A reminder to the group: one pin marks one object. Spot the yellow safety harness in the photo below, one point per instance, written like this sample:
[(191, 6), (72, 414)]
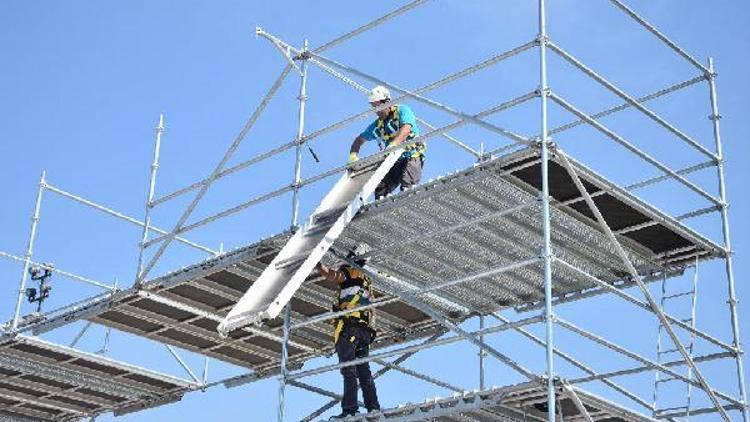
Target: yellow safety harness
[(412, 151), (362, 297)]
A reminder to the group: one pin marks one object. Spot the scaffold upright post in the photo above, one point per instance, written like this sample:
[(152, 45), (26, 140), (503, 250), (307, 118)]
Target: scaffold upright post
[(482, 354), (715, 118), (284, 356), (300, 133), (150, 195), (547, 247), (29, 250)]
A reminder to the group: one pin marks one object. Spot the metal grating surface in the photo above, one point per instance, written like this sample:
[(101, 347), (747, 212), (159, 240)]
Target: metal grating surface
[(40, 381), (488, 216), (517, 403), (184, 308), (442, 230)]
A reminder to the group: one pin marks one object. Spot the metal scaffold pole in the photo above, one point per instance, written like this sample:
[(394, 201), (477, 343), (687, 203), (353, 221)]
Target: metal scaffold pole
[(284, 356), (482, 354), (300, 133), (484, 247), (547, 247), (150, 197), (29, 250), (715, 118)]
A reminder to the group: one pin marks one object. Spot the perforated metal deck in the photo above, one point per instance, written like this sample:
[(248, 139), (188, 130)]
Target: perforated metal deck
[(517, 403), (183, 308), (481, 218), (487, 217), (40, 381)]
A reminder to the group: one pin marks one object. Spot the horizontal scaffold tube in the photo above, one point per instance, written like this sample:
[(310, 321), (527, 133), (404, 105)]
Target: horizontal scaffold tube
[(438, 286), (441, 342), (504, 106), (335, 126)]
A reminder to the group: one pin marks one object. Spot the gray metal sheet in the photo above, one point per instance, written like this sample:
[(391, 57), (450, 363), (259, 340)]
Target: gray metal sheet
[(442, 230), (413, 237), (198, 296), (43, 381), (516, 403)]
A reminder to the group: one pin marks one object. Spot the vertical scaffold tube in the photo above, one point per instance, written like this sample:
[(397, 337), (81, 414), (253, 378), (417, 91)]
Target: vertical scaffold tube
[(715, 118), (481, 354), (300, 133), (284, 356), (150, 195), (547, 247), (29, 250)]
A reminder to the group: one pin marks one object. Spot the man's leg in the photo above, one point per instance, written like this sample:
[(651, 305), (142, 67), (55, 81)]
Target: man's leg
[(391, 179), (345, 348), (364, 374), (412, 172)]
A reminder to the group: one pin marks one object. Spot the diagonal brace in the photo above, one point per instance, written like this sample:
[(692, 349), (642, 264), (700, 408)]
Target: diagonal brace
[(377, 375), (571, 392), (324, 62), (214, 174), (471, 337), (632, 148), (649, 298), (576, 363)]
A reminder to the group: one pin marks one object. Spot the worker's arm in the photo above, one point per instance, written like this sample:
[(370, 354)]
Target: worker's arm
[(357, 144), (402, 134), (408, 124), (330, 274)]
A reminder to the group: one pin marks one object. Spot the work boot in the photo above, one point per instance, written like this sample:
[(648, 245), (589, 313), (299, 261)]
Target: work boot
[(373, 414)]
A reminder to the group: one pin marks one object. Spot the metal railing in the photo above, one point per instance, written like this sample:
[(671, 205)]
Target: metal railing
[(298, 59)]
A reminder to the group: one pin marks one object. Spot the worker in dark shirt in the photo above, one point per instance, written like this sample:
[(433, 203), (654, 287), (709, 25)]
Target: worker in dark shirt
[(353, 334)]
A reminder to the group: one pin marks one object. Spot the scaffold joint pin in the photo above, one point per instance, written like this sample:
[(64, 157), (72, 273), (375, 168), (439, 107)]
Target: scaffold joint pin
[(542, 39)]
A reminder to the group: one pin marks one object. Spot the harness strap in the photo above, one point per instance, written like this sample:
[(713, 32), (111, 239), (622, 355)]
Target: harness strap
[(412, 151), (359, 316)]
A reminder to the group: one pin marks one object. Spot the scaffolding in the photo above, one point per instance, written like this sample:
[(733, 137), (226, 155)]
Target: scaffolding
[(596, 238)]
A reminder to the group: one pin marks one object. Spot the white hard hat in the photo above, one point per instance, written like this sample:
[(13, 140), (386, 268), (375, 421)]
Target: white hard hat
[(379, 93)]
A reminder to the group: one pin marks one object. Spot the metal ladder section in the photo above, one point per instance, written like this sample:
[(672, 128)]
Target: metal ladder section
[(277, 284), (678, 301)]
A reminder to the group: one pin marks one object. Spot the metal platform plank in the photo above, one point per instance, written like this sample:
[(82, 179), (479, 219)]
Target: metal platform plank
[(43, 381), (459, 226), (516, 403), (467, 222)]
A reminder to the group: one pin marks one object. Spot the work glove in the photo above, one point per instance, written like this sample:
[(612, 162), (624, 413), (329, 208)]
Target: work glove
[(352, 157)]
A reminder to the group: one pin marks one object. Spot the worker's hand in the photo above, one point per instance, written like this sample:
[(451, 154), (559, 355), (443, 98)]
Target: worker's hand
[(353, 157)]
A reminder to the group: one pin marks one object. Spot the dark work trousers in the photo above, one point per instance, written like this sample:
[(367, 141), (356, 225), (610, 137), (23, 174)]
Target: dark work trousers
[(354, 342), (406, 172)]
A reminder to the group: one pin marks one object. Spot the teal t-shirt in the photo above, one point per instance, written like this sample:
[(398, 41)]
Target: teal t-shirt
[(390, 126)]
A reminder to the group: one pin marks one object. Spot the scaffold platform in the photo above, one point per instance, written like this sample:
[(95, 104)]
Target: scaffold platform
[(41, 381), (184, 308), (522, 230), (466, 223), (516, 403)]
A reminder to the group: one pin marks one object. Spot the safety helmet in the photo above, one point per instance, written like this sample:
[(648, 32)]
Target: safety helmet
[(379, 93)]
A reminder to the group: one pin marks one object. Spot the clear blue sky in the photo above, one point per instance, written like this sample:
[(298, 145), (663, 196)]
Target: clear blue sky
[(82, 84)]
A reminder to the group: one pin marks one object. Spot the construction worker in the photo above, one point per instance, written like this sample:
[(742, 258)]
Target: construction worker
[(353, 334), (395, 124)]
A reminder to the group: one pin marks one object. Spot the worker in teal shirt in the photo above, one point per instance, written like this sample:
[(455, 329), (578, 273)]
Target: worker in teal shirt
[(395, 124)]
